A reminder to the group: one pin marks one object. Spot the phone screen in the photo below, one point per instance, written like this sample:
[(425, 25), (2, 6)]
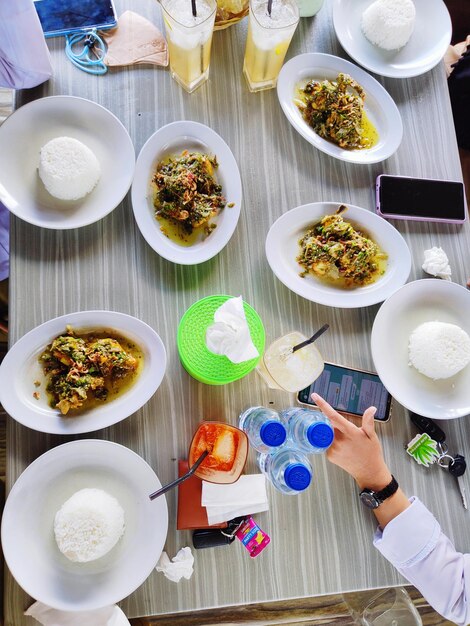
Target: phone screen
[(351, 391), (65, 16), (421, 198)]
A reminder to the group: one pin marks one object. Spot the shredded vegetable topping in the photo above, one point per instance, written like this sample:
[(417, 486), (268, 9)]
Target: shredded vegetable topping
[(335, 112), (187, 192), (332, 249)]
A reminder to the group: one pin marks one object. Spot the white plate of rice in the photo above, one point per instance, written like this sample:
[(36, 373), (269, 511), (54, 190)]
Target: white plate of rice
[(425, 48), (422, 302), (28, 540), (20, 371), (282, 249), (378, 105), (171, 140), (29, 129)]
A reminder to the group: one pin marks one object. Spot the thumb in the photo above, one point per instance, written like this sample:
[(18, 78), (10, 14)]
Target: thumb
[(368, 425)]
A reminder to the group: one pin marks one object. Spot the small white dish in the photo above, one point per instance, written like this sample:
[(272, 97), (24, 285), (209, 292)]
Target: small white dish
[(28, 540), (36, 123), (426, 47), (379, 106), (171, 140), (421, 301), (20, 369), (282, 249)]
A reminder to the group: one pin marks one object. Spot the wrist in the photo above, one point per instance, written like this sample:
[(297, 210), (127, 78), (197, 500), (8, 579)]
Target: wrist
[(376, 481)]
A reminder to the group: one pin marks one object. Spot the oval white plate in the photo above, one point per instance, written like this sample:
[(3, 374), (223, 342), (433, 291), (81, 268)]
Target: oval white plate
[(426, 47), (20, 368), (172, 139), (28, 521), (421, 301), (36, 123), (282, 248), (379, 106)]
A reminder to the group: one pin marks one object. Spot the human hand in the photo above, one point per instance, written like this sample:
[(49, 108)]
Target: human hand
[(356, 449)]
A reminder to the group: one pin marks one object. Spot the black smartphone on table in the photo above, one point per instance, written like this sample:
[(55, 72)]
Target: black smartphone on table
[(350, 391), (421, 199), (62, 17)]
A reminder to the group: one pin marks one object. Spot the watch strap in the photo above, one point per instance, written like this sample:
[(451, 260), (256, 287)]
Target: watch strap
[(387, 491)]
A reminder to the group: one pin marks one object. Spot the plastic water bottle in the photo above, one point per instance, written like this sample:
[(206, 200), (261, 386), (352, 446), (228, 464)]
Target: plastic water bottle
[(288, 469), (309, 430), (264, 428)]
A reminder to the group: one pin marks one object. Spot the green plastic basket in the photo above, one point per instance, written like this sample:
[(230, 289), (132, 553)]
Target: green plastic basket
[(197, 360)]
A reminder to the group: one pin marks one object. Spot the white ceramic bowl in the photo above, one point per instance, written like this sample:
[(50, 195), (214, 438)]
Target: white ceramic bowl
[(170, 140), (379, 106), (282, 248), (425, 48), (418, 302), (36, 123), (20, 368), (28, 541)]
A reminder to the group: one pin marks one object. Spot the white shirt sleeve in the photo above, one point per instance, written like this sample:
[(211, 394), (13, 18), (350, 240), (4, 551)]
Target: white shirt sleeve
[(415, 544), (24, 56)]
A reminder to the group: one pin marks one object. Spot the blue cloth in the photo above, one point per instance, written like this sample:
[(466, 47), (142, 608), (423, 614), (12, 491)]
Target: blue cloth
[(4, 242)]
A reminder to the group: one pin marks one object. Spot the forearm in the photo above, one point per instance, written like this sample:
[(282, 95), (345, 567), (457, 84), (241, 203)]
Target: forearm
[(414, 543)]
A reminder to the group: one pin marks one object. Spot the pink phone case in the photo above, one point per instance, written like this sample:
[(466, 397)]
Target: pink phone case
[(413, 217)]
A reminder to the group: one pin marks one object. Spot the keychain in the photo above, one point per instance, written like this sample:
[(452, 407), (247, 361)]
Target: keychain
[(243, 528)]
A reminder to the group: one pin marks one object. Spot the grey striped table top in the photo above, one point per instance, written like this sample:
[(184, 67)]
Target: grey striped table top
[(321, 540)]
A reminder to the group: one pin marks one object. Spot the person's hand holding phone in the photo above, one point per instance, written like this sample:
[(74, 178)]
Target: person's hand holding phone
[(355, 449), (358, 451)]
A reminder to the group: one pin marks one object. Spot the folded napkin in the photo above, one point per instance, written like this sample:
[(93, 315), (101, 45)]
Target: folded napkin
[(180, 566), (230, 335), (134, 41), (109, 616), (224, 502)]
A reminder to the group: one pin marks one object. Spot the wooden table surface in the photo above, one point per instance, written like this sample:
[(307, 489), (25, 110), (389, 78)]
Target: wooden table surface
[(321, 540)]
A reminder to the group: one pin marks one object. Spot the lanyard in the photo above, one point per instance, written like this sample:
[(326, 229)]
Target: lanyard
[(90, 57)]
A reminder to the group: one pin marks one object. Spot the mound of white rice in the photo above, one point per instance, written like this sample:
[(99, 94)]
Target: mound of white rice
[(68, 168), (88, 525), (439, 350), (389, 23)]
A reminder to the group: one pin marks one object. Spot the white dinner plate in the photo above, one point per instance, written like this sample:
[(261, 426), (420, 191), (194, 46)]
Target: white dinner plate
[(28, 538), (171, 140), (418, 302), (379, 106), (20, 369), (36, 123), (282, 249), (425, 48)]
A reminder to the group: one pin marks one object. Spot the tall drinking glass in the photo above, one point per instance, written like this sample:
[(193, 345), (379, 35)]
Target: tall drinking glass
[(189, 40), (268, 38), (392, 607)]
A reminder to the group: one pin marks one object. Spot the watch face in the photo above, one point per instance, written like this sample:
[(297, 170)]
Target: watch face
[(368, 499)]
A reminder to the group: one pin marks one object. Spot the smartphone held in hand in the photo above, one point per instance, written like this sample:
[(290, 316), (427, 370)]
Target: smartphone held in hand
[(421, 199), (350, 392)]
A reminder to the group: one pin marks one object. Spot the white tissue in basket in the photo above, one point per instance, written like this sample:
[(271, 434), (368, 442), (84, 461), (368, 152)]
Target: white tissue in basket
[(230, 335)]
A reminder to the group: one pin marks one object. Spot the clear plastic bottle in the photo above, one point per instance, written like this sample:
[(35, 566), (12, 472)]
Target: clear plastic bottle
[(264, 428), (288, 469), (309, 430)]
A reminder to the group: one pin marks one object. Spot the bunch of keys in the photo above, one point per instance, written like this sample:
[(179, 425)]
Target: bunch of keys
[(456, 465)]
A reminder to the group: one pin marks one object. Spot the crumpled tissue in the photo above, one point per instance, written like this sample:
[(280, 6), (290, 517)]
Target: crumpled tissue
[(109, 616), (224, 502), (230, 335), (436, 263), (180, 566)]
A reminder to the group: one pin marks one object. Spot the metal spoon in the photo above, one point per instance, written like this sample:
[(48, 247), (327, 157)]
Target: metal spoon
[(179, 480), (307, 342)]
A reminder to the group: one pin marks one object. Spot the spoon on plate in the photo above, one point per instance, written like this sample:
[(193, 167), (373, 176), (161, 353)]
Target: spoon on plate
[(307, 342), (179, 480)]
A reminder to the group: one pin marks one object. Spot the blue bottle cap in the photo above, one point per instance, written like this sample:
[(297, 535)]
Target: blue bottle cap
[(273, 433), (320, 435), (297, 476)]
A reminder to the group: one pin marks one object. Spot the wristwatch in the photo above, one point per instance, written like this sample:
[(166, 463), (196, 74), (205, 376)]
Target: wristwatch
[(373, 499)]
